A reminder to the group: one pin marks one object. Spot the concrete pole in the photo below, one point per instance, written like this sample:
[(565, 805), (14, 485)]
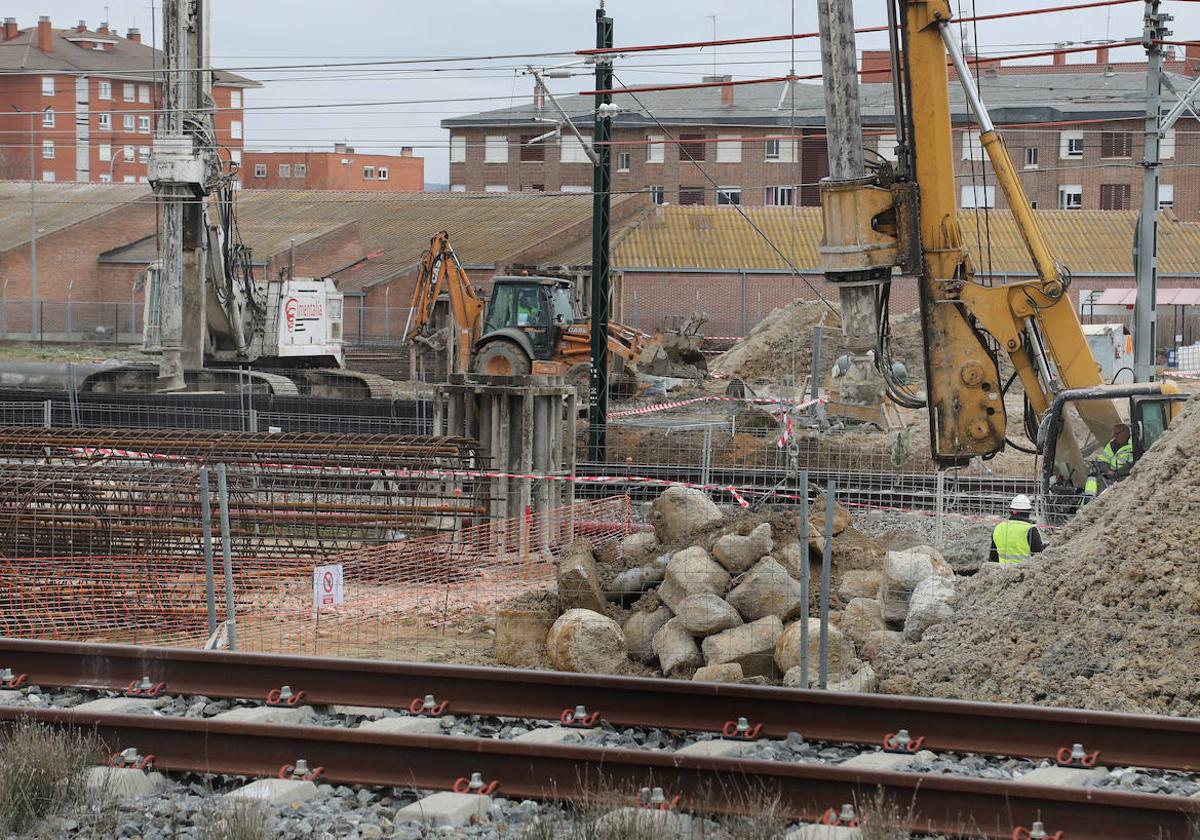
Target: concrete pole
[(170, 369)]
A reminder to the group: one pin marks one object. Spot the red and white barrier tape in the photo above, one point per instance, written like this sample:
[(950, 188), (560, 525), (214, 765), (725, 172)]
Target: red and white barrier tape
[(1183, 374), (651, 409)]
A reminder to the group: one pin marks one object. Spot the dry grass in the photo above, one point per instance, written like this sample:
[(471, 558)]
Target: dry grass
[(235, 820), (43, 772)]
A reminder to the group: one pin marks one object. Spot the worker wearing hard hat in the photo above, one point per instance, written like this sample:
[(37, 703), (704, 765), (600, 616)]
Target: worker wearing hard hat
[(1117, 455), (1016, 538)]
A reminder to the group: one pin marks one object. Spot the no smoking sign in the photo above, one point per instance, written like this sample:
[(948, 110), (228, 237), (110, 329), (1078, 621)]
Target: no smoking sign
[(328, 586)]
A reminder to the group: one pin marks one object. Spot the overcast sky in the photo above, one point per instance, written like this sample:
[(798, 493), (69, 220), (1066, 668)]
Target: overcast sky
[(252, 33)]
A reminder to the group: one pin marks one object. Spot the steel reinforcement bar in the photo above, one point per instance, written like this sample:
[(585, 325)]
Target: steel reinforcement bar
[(711, 786), (995, 729)]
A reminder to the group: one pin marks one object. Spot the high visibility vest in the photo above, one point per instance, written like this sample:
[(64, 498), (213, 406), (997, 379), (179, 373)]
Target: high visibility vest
[(1091, 489), (1012, 541), (1119, 458)]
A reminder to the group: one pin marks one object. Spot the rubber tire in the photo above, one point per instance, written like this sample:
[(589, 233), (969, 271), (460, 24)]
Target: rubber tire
[(502, 358)]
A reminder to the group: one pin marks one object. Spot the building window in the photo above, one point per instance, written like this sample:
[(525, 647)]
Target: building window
[(285, 171), (458, 149), (1070, 197), (978, 197), (104, 122), (1166, 196), (382, 173), (144, 94), (691, 195), (886, 147), (235, 99), (779, 150), (260, 170), (129, 92), (496, 188), (368, 173), (972, 149), (575, 188), (105, 178), (571, 150), (458, 188), (1114, 196), (235, 156), (654, 148), (49, 177), (47, 85), (656, 194), (128, 179), (729, 149), (47, 119), (128, 152), (105, 152), (143, 154), (1116, 144), (1032, 157), (104, 89), (144, 125), (1166, 146), (128, 122), (691, 147), (48, 149), (779, 196), (624, 159), (729, 195), (495, 149), (301, 170), (1070, 144), (532, 152), (235, 129), (533, 188)]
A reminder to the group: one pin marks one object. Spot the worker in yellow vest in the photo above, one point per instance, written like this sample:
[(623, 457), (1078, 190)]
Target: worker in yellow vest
[(1016, 538), (1117, 455)]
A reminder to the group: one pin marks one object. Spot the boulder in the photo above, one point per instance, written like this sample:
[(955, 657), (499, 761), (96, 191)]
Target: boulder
[(859, 583), (730, 672), (679, 512), (639, 632), (794, 678), (842, 661), (706, 613), (862, 681), (852, 549), (879, 643), (788, 556), (677, 652), (639, 548), (968, 551), (738, 553), (691, 572), (767, 589), (751, 645), (631, 583), (586, 642), (902, 571), (578, 582), (929, 605), (816, 517), (861, 618), (936, 561), (521, 635)]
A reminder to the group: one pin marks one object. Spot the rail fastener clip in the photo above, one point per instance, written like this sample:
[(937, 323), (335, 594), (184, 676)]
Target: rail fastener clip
[(130, 758), (145, 688), (579, 718), (1076, 756), (901, 742), (10, 680), (740, 730), (301, 772), (475, 784), (845, 817), (1037, 831), (284, 696), (654, 799), (428, 706)]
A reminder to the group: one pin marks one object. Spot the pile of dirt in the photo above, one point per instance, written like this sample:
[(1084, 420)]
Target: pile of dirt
[(1108, 618)]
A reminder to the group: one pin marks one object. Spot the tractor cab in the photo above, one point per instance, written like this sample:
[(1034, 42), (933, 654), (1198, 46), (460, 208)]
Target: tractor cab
[(536, 307)]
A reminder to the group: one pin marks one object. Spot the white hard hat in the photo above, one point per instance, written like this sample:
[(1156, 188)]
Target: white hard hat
[(1021, 502)]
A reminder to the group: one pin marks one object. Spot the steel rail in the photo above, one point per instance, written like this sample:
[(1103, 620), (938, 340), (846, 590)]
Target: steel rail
[(987, 728), (954, 805)]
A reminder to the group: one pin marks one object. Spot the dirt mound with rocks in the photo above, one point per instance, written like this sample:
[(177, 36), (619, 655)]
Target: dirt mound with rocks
[(1107, 618)]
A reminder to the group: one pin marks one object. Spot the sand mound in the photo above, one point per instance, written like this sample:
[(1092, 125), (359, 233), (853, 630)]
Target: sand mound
[(1108, 618)]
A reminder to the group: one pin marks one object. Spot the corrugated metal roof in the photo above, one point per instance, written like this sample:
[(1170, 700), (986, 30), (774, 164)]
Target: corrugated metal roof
[(58, 206), (1086, 241), (1163, 297)]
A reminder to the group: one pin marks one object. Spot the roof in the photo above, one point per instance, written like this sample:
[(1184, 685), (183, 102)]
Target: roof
[(1163, 297), (1088, 242), (58, 206), (1037, 97), (126, 59)]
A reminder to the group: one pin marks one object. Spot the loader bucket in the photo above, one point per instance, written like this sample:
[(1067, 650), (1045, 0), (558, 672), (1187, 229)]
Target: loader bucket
[(674, 354)]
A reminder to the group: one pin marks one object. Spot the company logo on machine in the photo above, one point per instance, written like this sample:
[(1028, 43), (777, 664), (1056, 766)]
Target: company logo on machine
[(299, 313)]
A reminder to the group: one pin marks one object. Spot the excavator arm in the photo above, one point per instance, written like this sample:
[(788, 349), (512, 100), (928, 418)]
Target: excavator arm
[(440, 272)]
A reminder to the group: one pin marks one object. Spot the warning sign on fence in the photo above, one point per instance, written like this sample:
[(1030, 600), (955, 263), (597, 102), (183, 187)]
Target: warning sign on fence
[(328, 589)]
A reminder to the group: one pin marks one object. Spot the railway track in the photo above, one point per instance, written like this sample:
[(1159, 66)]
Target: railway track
[(708, 784)]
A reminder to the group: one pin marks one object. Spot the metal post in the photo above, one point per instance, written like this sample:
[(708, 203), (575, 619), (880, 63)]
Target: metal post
[(292, 258), (814, 390), (33, 271), (804, 579), (601, 206), (1145, 255), (387, 330), (745, 307), (70, 288), (706, 459), (226, 556), (4, 310), (826, 561), (48, 414), (210, 595), (939, 526)]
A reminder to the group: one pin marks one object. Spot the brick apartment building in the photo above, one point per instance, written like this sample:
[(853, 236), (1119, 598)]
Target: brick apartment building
[(342, 169), (83, 103), (1073, 130)]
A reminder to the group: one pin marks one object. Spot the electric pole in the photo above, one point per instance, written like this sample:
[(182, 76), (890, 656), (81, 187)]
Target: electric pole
[(1145, 250), (601, 205)]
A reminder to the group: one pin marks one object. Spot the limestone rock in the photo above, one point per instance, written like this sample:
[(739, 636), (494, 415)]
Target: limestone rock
[(639, 548), (862, 681), (969, 551), (730, 672), (738, 553), (521, 635), (751, 645), (788, 556), (639, 632), (691, 572), (902, 571), (878, 644), (677, 652), (842, 661), (706, 613), (767, 589), (816, 517), (578, 582), (631, 583), (680, 512), (861, 618), (859, 583), (929, 605), (586, 642)]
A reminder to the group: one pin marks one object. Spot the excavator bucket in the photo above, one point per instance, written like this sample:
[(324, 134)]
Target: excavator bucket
[(675, 353)]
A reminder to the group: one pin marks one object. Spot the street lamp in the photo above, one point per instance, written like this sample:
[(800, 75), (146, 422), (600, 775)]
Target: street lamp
[(112, 166), (33, 278)]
